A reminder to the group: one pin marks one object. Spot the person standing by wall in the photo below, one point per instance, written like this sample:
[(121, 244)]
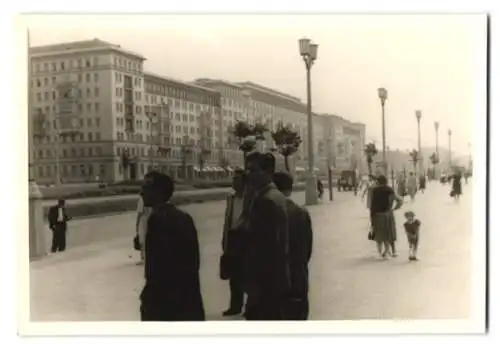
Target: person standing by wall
[(58, 223)]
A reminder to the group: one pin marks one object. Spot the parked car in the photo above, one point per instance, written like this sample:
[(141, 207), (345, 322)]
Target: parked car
[(347, 181)]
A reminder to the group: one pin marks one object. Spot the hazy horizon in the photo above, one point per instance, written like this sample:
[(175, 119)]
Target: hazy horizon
[(427, 62)]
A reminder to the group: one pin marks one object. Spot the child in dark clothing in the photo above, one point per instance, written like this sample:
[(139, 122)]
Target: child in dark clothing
[(412, 228)]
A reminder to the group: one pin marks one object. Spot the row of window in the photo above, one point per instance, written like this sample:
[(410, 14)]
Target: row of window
[(174, 153), (72, 152), (63, 65), (79, 137), (127, 64), (39, 82), (76, 170), (119, 79), (199, 96), (47, 96)]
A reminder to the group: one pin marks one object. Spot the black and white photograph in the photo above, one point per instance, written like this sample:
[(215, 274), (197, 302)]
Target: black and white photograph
[(224, 170)]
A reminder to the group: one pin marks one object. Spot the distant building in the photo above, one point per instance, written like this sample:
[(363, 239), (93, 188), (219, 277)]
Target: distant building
[(116, 121)]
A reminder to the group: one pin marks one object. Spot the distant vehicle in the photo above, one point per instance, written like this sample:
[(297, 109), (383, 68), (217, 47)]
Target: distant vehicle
[(347, 181)]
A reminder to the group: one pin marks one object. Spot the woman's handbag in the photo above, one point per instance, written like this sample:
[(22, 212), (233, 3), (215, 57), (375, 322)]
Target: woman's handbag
[(137, 244), (371, 235)]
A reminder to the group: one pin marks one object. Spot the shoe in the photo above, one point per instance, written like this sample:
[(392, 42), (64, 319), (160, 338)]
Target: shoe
[(394, 255), (231, 312), (410, 258), (140, 263)]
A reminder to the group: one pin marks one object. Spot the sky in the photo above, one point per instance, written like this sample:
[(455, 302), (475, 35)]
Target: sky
[(433, 63)]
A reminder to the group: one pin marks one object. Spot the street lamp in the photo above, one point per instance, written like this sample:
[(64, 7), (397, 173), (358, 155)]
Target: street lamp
[(449, 148), (309, 53), (382, 94), (418, 114)]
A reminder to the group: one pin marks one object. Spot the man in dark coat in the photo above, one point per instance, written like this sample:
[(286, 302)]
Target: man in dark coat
[(300, 250), (266, 264), (58, 223), (232, 258), (172, 288)]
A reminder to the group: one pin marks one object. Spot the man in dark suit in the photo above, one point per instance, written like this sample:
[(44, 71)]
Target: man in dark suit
[(172, 288), (300, 250), (266, 265), (58, 219)]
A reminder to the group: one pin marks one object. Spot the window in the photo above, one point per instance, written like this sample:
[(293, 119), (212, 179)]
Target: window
[(96, 92), (89, 136), (96, 61), (79, 77), (73, 152), (63, 66), (54, 95), (64, 153), (97, 122), (38, 97), (89, 92), (98, 152), (89, 107), (192, 130), (96, 106), (46, 96), (98, 136), (79, 63), (191, 118), (91, 152), (87, 63), (138, 110), (96, 77), (87, 77), (54, 67), (82, 152), (184, 117), (89, 122)]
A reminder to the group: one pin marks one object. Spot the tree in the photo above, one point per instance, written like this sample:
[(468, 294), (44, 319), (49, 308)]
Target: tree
[(247, 135), (287, 140), (434, 161), (414, 155), (370, 151)]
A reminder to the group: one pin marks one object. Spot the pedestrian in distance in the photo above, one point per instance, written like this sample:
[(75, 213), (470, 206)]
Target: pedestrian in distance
[(172, 286), (266, 256), (456, 186), (412, 228), (411, 185), (383, 222), (320, 188), (422, 183), (231, 261), (300, 250), (58, 223)]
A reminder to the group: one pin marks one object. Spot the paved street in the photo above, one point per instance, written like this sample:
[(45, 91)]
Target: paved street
[(96, 279)]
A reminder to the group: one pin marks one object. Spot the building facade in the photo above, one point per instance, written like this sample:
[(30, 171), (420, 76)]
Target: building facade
[(113, 121)]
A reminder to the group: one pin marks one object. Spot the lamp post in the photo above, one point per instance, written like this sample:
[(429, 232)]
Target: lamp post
[(436, 130), (309, 52), (418, 114), (449, 148), (382, 94)]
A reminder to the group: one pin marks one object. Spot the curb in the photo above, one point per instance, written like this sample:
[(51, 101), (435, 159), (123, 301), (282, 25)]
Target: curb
[(117, 206)]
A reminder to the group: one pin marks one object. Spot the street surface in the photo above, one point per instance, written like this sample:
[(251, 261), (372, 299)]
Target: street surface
[(96, 279)]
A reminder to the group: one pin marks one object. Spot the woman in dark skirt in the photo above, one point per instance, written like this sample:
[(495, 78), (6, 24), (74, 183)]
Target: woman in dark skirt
[(383, 222), (456, 186)]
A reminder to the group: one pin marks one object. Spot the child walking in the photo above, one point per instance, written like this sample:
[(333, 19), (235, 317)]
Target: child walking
[(412, 228)]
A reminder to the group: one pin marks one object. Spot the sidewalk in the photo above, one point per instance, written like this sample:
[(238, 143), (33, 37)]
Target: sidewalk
[(101, 282)]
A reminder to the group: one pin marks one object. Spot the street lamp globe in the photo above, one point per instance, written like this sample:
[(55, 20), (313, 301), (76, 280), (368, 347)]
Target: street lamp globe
[(313, 51), (418, 113), (304, 44), (382, 94)]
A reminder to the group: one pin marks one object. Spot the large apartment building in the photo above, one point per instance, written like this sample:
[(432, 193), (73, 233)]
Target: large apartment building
[(114, 121)]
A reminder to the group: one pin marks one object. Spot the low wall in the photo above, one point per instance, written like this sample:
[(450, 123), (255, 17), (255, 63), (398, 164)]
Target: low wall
[(89, 209)]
